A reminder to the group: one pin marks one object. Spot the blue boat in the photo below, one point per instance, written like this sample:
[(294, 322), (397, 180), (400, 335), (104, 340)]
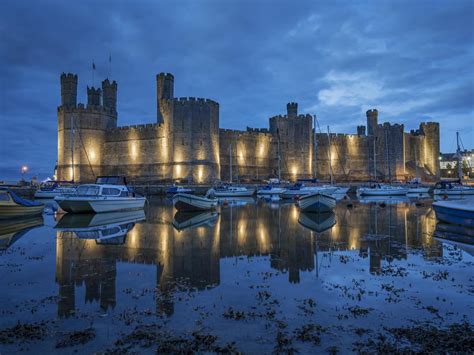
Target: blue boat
[(179, 190), (460, 212)]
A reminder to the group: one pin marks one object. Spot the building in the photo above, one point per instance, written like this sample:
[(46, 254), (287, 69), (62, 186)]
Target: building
[(449, 164), (186, 144)]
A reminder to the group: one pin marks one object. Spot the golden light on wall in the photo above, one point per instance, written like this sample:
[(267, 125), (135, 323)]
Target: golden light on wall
[(92, 155), (177, 171), (133, 150), (294, 170), (200, 173)]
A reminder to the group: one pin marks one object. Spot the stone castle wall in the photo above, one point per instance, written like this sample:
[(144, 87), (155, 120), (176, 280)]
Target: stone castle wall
[(187, 145)]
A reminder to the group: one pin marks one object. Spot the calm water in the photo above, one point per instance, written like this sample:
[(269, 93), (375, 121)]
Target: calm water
[(256, 274)]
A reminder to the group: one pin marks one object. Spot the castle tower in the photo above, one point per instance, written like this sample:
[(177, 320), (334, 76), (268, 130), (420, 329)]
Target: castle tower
[(292, 109), (93, 96), (109, 91), (361, 130), (372, 121), (164, 91), (431, 147), (68, 90)]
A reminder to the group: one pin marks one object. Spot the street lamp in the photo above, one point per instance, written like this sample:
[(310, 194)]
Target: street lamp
[(24, 169)]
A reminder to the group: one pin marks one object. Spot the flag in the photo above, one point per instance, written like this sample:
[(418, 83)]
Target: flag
[(93, 66)]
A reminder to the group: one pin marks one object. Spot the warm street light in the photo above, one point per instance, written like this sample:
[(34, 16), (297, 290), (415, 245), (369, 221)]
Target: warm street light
[(24, 169)]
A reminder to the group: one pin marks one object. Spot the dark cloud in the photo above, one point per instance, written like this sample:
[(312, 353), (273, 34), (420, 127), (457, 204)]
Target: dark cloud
[(412, 60)]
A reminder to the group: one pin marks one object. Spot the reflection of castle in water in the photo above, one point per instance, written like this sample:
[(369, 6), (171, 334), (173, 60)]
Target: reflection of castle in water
[(194, 254)]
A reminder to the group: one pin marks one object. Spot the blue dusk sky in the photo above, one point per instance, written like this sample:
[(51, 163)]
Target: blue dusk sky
[(412, 60)]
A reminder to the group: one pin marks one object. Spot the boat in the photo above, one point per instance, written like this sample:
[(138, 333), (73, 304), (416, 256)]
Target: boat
[(184, 220), (298, 190), (382, 190), (317, 202), (179, 189), (13, 229), (51, 189), (188, 202), (387, 200), (459, 236), (13, 206), (231, 191), (317, 222), (418, 189), (104, 228), (270, 190), (460, 212), (108, 194), (341, 190), (452, 188)]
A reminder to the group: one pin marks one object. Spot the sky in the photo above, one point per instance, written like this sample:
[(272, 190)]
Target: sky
[(412, 60)]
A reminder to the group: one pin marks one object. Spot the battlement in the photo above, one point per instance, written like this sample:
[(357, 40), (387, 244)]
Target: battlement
[(68, 76), (165, 75), (140, 127), (81, 108), (193, 100), (372, 112), (107, 83), (257, 130)]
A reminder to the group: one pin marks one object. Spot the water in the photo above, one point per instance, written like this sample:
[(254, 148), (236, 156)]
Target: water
[(259, 274)]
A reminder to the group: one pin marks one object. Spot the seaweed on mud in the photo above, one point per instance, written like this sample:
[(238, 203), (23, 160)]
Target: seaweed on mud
[(456, 338), (23, 332), (76, 338), (309, 333)]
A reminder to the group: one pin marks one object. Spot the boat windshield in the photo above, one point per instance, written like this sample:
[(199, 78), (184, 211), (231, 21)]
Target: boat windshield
[(88, 190)]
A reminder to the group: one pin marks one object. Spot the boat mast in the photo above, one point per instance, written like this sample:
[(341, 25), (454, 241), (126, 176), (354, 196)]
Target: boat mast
[(375, 161), (329, 156), (458, 153), (230, 163), (72, 147), (315, 149), (386, 157), (279, 157), (416, 165)]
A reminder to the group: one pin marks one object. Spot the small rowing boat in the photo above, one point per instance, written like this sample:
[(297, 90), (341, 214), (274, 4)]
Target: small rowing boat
[(13, 206), (460, 212), (187, 202), (317, 202)]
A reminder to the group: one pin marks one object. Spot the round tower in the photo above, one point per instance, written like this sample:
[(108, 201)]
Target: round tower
[(109, 91), (93, 96), (372, 121), (68, 90), (164, 91), (292, 109)]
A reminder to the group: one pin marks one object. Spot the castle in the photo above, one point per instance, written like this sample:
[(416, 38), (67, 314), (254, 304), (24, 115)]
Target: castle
[(186, 143)]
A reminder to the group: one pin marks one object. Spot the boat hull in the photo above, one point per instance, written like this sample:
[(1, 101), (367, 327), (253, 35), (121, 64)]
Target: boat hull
[(453, 213), (454, 191), (271, 192), (17, 211), (247, 193), (382, 192), (418, 190), (317, 202), (186, 202), (86, 205)]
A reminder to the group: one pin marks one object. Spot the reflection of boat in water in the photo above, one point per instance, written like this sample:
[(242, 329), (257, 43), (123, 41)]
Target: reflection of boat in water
[(183, 220), (13, 229), (388, 200), (462, 237), (13, 206), (236, 201), (317, 222), (106, 228), (459, 212)]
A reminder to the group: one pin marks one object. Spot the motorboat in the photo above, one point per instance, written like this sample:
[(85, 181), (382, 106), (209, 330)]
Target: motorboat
[(270, 190), (51, 189), (104, 228), (418, 189), (184, 220), (179, 189), (317, 222), (382, 190), (460, 212), (342, 190), (108, 194), (13, 206), (13, 229), (231, 191), (298, 190), (452, 188), (317, 202), (188, 202)]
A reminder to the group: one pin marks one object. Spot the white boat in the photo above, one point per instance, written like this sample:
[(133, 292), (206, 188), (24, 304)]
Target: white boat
[(101, 197), (317, 202), (382, 190), (460, 212), (51, 189), (187, 202), (299, 190), (179, 189), (452, 188), (231, 191), (418, 189), (342, 190), (270, 190)]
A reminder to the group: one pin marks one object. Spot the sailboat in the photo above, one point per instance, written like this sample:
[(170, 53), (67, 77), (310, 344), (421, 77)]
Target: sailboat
[(382, 189), (414, 186), (229, 190), (451, 187)]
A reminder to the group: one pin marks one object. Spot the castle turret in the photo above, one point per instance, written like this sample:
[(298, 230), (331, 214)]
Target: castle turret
[(361, 130), (372, 121), (109, 91), (68, 90), (93, 96), (292, 109), (164, 91)]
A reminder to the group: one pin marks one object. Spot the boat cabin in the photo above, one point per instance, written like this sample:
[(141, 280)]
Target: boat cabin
[(104, 190), (111, 180)]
